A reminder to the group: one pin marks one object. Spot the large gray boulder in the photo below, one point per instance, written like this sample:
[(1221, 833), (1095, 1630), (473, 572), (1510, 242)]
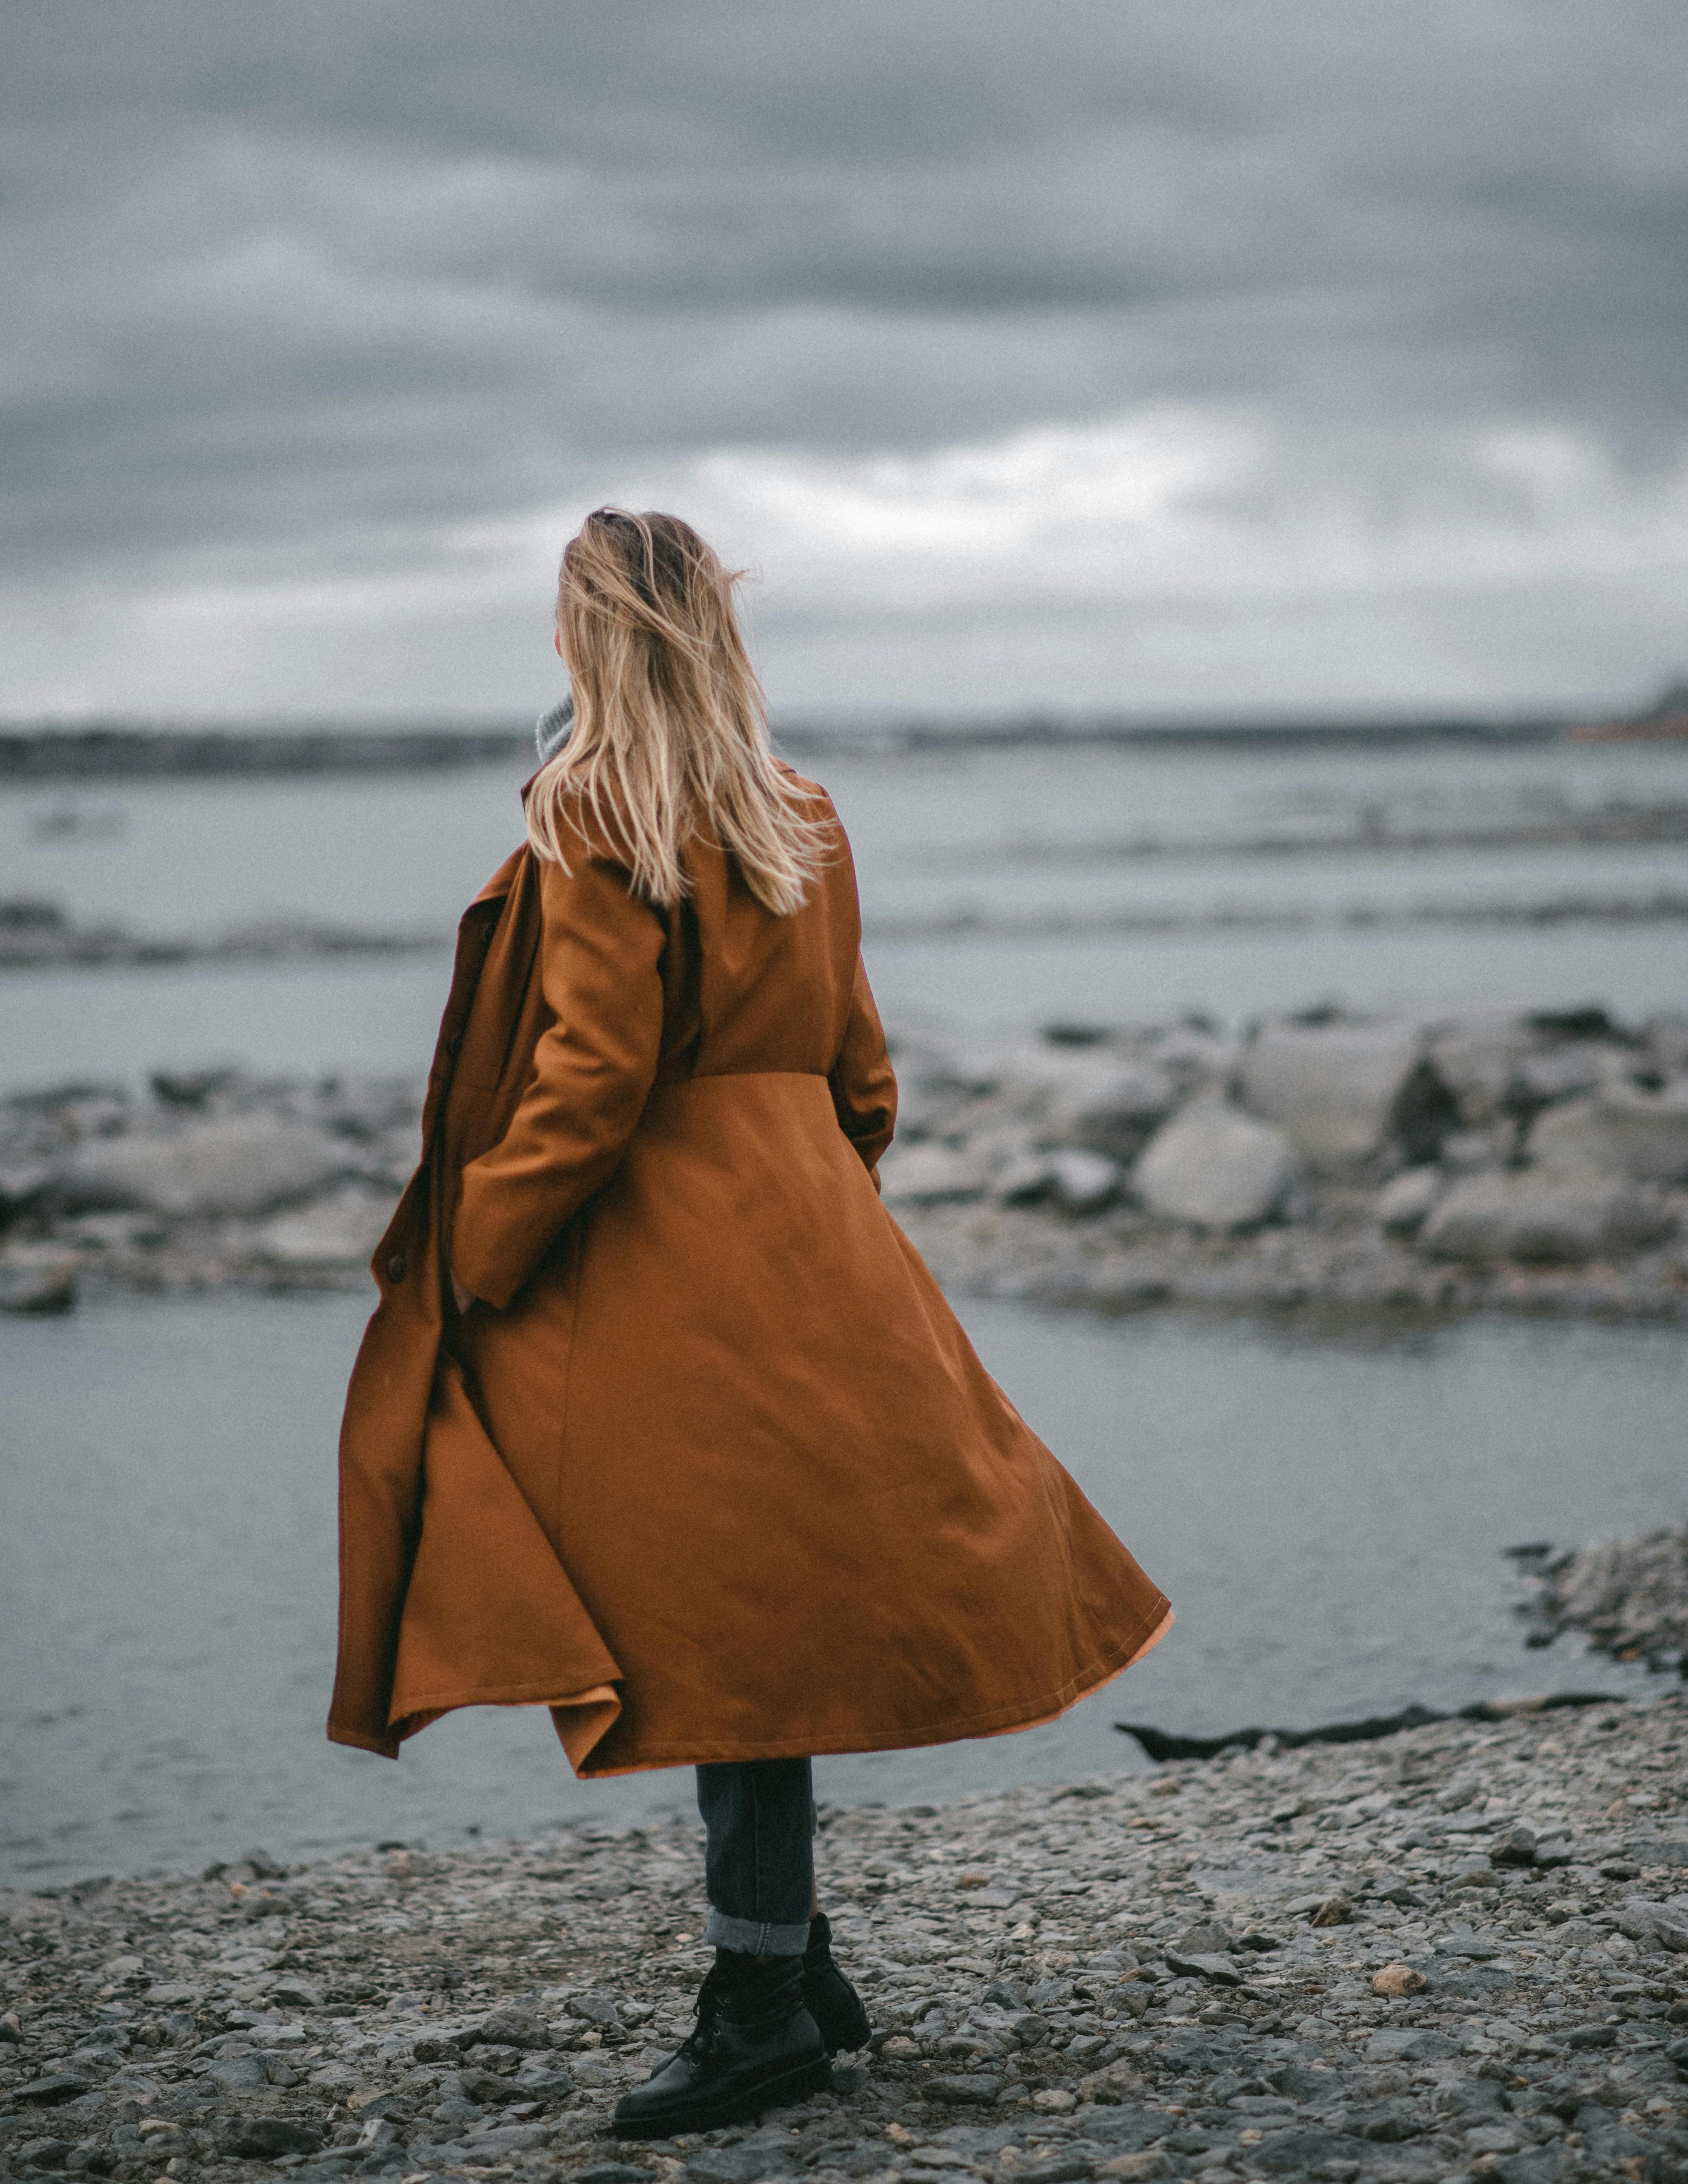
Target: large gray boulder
[(38, 1278), (1076, 1180), (1649, 1129), (1542, 1217), (1620, 1130), (1193, 1057), (335, 1233), (1215, 1167), (938, 1080), (1573, 1136), (1108, 1104), (1404, 1204), (1500, 1064), (241, 1164), (1345, 1094), (1477, 1057), (1665, 1038), (1083, 1182), (1464, 1152), (372, 1108), (1567, 1071), (931, 1175)]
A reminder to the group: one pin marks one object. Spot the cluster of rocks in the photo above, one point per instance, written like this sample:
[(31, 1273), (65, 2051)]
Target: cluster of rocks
[(210, 1178), (1459, 1952), (1532, 1161), (1507, 1157), (1628, 1597)]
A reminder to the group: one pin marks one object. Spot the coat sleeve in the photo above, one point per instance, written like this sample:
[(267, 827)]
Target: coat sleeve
[(864, 1084), (600, 955)]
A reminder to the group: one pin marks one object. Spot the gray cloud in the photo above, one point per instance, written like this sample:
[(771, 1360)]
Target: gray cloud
[(292, 289)]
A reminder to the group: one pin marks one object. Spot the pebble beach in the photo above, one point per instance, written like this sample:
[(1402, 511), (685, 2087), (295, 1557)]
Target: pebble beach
[(1458, 1952)]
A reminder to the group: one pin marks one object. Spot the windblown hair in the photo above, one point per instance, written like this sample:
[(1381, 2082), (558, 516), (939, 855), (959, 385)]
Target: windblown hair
[(671, 736)]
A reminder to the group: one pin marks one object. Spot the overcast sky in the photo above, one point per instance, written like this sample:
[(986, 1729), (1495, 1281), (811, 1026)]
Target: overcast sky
[(1201, 359)]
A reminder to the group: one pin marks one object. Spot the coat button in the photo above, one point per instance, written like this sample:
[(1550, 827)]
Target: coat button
[(395, 1267)]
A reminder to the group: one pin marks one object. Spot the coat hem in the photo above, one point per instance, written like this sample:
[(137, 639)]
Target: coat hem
[(385, 1746), (998, 1721), (427, 1707), (544, 1692), (583, 1717)]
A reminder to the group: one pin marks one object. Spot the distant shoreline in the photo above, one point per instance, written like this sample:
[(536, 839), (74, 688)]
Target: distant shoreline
[(103, 752), (106, 750)]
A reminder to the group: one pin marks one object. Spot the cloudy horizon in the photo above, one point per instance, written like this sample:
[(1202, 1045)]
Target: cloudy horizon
[(1219, 362)]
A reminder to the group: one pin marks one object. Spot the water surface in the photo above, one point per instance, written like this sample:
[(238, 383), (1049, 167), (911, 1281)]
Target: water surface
[(1327, 1512), (1026, 840)]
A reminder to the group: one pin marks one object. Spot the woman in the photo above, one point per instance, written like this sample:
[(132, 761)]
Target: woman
[(660, 1421)]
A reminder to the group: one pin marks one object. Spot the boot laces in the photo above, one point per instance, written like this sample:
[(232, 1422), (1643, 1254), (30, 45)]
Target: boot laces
[(702, 2040)]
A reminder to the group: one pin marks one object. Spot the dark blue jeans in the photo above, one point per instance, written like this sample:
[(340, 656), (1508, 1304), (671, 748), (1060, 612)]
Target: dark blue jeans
[(758, 1859)]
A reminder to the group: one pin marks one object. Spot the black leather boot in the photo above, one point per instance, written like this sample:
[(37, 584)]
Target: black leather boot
[(756, 2047), (831, 2000)]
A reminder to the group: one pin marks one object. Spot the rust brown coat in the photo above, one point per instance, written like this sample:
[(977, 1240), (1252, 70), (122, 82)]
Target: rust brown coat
[(713, 1472)]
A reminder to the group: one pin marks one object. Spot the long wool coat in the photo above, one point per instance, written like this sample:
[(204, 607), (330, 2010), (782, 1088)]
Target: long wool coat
[(712, 1471)]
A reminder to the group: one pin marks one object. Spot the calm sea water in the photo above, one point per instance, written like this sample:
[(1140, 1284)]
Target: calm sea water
[(1327, 1512), (1016, 836)]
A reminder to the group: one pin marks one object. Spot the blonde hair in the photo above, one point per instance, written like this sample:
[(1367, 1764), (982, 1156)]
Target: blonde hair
[(670, 734)]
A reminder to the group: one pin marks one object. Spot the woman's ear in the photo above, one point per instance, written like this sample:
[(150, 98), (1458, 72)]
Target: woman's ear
[(557, 639)]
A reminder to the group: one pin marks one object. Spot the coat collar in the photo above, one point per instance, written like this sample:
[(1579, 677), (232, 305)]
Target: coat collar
[(503, 880)]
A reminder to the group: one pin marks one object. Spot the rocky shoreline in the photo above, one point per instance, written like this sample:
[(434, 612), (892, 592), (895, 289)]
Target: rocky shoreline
[(1627, 1597), (1523, 1161), (1458, 1952)]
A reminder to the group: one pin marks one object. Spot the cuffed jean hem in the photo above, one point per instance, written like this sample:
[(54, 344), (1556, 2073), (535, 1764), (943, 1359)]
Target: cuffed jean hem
[(749, 1938)]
